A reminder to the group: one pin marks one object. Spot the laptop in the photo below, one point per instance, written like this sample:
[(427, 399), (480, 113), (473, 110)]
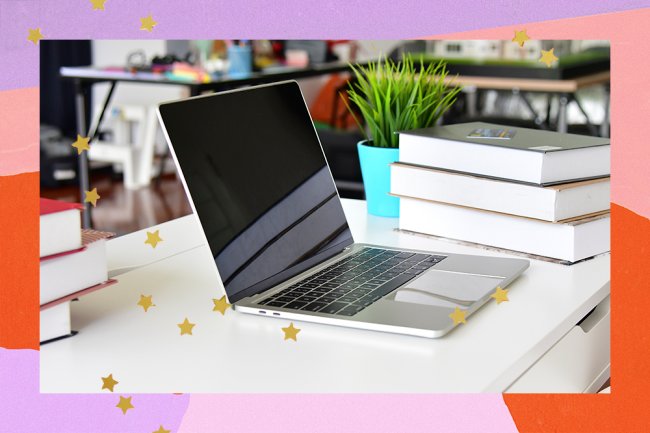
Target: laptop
[(257, 179)]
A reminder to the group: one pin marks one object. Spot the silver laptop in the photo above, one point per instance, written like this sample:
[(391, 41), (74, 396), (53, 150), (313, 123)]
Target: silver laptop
[(256, 177)]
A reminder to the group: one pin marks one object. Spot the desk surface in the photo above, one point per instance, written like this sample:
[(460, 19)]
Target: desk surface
[(280, 73), (244, 353), (89, 74), (570, 85)]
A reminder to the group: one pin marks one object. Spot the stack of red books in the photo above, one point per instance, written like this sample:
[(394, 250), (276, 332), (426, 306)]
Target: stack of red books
[(73, 263)]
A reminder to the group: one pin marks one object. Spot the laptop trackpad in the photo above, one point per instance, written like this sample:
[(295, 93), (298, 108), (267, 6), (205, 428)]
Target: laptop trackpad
[(447, 289)]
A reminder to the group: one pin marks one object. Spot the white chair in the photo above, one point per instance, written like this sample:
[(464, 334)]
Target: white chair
[(134, 133)]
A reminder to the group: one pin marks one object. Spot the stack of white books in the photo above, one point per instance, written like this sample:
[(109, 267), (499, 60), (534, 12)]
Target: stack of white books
[(537, 192), (72, 264)]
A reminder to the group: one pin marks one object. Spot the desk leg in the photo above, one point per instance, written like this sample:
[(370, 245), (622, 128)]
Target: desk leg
[(604, 127), (194, 91), (84, 180), (562, 124), (536, 116), (84, 171), (590, 126), (94, 129), (471, 97)]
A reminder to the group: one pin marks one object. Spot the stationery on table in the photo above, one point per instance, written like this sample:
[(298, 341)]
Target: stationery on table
[(530, 191)]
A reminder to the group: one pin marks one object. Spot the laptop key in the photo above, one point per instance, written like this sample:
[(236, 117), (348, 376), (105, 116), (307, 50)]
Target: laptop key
[(364, 302), (360, 292), (314, 306), (393, 284), (319, 281), (320, 291), (339, 281), (350, 310), (295, 305), (340, 291), (333, 307)]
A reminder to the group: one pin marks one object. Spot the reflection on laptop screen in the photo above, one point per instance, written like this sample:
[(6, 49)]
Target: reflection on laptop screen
[(259, 182)]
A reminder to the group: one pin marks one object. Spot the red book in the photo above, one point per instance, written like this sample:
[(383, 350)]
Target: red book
[(60, 227), (49, 206)]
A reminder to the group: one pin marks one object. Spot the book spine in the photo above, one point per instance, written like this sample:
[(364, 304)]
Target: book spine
[(474, 192), (488, 228)]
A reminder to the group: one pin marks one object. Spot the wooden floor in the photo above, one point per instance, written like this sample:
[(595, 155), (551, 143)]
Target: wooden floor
[(122, 211)]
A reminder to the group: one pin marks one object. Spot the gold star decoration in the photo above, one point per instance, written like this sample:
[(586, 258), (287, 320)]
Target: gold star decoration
[(548, 57), (290, 332), (92, 197), (81, 144), (35, 35), (146, 302), (125, 404), (109, 382), (458, 316), (153, 238), (162, 430), (221, 305), (500, 295), (186, 327), (148, 23), (520, 37), (98, 5)]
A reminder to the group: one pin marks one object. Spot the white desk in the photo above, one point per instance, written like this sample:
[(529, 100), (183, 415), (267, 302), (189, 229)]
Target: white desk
[(242, 353)]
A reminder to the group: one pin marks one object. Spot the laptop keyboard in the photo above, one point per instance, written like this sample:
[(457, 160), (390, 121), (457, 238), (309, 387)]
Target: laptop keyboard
[(351, 284)]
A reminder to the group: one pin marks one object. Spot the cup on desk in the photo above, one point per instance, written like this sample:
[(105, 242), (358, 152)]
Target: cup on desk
[(240, 58), (297, 58)]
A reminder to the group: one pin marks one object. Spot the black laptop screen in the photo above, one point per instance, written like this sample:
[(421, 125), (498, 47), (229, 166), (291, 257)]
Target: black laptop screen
[(259, 182)]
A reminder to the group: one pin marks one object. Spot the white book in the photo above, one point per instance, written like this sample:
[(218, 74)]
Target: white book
[(550, 203), (55, 322), (522, 154), (60, 227), (570, 241), (70, 273)]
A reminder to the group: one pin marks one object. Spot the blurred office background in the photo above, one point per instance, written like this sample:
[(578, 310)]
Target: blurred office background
[(129, 163)]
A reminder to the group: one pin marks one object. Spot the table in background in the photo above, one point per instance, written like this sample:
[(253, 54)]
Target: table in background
[(85, 77), (565, 89)]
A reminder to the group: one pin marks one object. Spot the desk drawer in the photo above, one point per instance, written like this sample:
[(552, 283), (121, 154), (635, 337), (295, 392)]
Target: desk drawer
[(578, 363)]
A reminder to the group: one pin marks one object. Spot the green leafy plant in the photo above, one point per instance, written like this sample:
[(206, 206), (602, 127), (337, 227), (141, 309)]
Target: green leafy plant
[(398, 96)]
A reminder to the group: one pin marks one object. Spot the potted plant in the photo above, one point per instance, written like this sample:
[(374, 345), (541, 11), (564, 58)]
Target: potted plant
[(394, 96)]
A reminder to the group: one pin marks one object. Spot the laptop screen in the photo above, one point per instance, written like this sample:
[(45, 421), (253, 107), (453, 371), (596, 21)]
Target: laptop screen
[(259, 182)]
